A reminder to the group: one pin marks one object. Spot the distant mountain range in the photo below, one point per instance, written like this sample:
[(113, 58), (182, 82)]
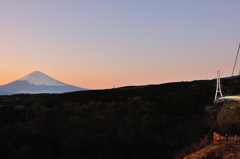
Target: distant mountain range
[(37, 82)]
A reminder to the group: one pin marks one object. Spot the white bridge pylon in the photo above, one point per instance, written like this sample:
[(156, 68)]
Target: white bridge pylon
[(218, 89)]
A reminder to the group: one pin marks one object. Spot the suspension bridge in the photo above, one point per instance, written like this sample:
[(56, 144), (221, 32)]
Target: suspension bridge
[(220, 97)]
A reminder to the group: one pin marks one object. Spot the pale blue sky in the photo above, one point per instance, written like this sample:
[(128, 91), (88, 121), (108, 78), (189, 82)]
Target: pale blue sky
[(96, 44)]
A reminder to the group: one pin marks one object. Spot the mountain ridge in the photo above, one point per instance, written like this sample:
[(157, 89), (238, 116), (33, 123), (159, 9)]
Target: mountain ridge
[(37, 82)]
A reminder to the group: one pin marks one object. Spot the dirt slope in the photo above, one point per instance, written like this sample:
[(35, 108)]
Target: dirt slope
[(221, 150)]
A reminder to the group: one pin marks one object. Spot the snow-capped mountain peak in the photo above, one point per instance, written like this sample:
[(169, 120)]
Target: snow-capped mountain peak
[(39, 78), (37, 82)]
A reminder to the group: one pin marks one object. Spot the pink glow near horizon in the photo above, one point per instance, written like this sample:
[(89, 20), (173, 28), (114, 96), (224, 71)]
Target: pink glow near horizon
[(98, 45)]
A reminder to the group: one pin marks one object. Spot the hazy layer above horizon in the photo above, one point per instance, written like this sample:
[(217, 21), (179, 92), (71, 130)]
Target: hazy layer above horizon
[(102, 44)]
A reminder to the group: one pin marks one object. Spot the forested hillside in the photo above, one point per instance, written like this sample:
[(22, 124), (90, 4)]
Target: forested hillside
[(155, 121)]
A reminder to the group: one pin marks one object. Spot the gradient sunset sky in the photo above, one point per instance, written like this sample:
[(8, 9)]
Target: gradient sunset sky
[(97, 44)]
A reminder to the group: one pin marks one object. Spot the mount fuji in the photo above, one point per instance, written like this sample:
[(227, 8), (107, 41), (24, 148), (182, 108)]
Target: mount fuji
[(37, 82)]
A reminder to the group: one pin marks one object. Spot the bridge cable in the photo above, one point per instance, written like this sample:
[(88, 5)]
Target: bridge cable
[(235, 63), (235, 60), (208, 132), (228, 126)]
